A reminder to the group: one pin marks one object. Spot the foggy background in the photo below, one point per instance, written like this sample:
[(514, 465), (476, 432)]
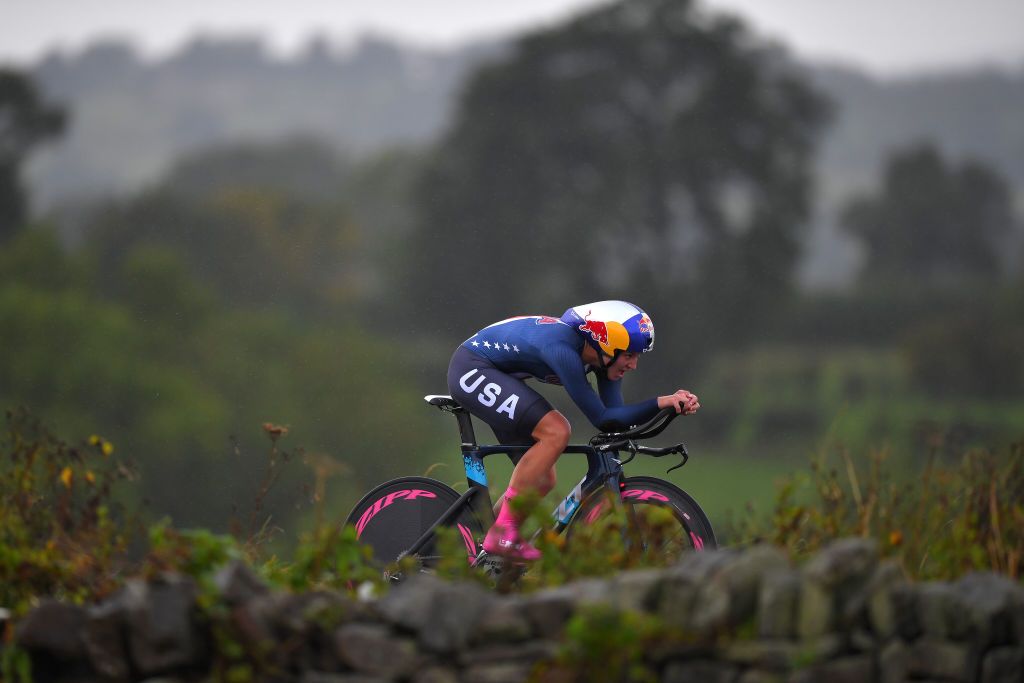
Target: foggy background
[(219, 216)]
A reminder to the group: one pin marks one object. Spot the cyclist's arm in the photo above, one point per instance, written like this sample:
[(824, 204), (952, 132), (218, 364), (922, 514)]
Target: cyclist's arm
[(565, 361), (610, 392)]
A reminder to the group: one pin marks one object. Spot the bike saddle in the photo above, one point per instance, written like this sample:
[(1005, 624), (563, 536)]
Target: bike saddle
[(442, 401)]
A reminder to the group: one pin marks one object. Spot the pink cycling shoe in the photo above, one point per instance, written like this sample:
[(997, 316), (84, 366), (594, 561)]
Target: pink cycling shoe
[(504, 541)]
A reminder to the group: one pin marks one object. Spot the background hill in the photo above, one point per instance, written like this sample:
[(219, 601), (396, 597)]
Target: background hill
[(133, 119)]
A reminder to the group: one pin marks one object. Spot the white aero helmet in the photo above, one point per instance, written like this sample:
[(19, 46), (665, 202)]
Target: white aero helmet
[(612, 327)]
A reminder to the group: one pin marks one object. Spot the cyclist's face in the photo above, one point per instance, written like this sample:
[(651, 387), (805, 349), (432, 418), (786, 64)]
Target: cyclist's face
[(626, 362)]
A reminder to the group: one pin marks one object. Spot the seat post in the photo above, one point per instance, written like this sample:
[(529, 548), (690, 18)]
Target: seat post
[(466, 434)]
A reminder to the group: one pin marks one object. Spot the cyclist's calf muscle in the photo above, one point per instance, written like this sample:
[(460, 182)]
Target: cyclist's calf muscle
[(536, 470)]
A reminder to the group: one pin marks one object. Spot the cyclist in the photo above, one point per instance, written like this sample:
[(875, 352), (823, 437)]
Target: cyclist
[(486, 377)]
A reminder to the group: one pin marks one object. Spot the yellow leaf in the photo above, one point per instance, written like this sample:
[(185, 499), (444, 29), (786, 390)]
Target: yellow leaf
[(90, 477), (108, 448), (65, 477)]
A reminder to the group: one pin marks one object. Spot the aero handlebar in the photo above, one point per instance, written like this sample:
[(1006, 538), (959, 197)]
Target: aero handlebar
[(626, 440), (656, 425)]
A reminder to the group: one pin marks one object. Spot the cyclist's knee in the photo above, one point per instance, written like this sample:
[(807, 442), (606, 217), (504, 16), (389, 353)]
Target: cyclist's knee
[(553, 429)]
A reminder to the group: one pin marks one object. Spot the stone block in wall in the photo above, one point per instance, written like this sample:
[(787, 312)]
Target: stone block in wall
[(298, 614), (772, 655), (373, 649), (857, 669), (548, 612), (435, 674), (163, 633), (834, 583), (636, 590), (893, 660), (777, 604), (718, 590), (504, 622), (410, 604), (1003, 665), (683, 582), (106, 640), (815, 610), (729, 596), (904, 605), (238, 583), (53, 629), (994, 609), (304, 620), (525, 653), (443, 615), (507, 672), (699, 671), (51, 635), (882, 613), (759, 676), (332, 677), (253, 621), (781, 655), (845, 562), (940, 612), (940, 659)]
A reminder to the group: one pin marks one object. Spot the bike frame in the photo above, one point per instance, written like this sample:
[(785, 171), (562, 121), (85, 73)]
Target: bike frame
[(604, 470)]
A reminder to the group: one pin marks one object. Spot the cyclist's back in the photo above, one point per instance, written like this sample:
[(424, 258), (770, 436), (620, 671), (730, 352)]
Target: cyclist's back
[(526, 345)]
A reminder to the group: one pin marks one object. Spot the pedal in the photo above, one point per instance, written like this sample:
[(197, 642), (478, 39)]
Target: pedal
[(491, 565)]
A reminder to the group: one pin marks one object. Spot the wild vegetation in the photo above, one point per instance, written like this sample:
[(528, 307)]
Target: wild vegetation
[(65, 535), (283, 282)]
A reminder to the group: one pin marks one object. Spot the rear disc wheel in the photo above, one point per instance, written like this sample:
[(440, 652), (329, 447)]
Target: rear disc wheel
[(393, 516)]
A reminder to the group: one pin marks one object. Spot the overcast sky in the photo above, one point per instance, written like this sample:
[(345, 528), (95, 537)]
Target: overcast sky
[(888, 37)]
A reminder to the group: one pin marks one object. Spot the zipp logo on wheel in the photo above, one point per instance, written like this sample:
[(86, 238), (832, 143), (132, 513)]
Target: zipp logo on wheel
[(380, 504)]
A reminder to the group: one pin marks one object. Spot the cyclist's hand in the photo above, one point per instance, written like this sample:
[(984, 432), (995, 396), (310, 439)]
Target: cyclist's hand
[(683, 401)]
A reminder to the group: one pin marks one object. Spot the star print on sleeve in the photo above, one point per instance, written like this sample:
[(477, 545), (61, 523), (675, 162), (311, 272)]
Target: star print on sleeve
[(487, 344), (476, 343), (515, 348), (507, 348)]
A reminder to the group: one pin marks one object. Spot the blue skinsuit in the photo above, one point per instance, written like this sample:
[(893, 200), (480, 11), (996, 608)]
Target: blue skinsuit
[(549, 350)]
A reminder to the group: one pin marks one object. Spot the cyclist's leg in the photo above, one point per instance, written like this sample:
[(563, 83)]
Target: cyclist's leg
[(508, 438), (534, 473), (536, 470), (518, 414)]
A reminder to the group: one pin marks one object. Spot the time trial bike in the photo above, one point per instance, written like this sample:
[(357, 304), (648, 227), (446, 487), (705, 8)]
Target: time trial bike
[(400, 518)]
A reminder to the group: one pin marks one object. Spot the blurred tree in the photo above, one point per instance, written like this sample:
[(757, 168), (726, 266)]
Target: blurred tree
[(174, 378), (25, 121), (157, 286), (304, 168), (971, 355), (932, 223), (251, 245), (645, 150), (379, 192), (34, 258)]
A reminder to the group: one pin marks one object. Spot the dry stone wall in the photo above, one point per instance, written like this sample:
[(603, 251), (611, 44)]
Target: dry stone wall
[(727, 616)]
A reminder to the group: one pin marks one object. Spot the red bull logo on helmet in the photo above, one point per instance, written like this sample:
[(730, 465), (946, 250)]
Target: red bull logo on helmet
[(645, 325), (598, 330)]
